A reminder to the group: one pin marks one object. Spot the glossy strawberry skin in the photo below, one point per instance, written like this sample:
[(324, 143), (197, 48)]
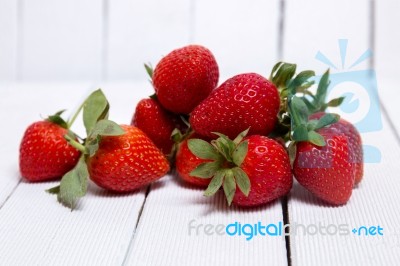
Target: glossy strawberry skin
[(44, 154), (186, 162), (127, 162), (156, 123), (185, 77), (267, 165), (243, 101), (343, 127), (326, 171)]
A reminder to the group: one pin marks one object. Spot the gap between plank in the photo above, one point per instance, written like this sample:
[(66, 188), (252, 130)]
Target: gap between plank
[(281, 28), (286, 220), (136, 225), (104, 40), (9, 195)]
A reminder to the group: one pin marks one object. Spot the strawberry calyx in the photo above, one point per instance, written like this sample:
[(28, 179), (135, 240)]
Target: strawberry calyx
[(226, 158), (74, 184), (58, 120)]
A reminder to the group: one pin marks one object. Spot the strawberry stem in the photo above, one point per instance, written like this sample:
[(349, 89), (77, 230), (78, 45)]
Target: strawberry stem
[(76, 144), (73, 118)]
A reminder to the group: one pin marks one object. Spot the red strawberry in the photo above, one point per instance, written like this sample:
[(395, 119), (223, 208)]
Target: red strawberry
[(326, 171), (257, 165), (185, 77), (246, 100), (268, 168), (126, 162), (186, 162), (44, 153), (157, 123), (342, 127)]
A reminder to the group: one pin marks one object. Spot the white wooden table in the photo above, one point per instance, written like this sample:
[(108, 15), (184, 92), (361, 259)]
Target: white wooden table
[(151, 226)]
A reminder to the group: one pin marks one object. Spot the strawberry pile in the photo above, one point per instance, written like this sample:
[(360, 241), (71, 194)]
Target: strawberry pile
[(247, 137)]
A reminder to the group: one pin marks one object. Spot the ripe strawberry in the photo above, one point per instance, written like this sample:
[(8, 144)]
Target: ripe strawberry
[(268, 168), (44, 154), (185, 77), (342, 127), (156, 123), (126, 162), (257, 165), (186, 162), (326, 170), (243, 101)]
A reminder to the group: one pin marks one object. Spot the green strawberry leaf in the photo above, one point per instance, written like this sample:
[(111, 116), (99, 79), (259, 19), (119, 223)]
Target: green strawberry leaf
[(215, 184), (95, 108), (92, 145), (335, 102), (282, 73), (311, 125), (53, 190), (326, 120), (242, 180), (298, 111), (206, 170), (322, 88), (203, 149), (107, 128), (300, 133), (58, 120), (316, 138), (240, 153), (240, 137), (73, 185), (300, 83), (149, 70), (229, 186)]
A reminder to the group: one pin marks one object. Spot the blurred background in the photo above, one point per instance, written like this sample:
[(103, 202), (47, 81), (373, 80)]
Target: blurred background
[(104, 40)]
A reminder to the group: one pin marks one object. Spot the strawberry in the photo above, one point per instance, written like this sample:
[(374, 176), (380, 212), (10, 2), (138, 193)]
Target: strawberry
[(257, 165), (44, 153), (126, 162), (342, 127), (185, 77), (326, 170), (243, 101), (156, 123), (186, 162), (117, 158), (268, 167)]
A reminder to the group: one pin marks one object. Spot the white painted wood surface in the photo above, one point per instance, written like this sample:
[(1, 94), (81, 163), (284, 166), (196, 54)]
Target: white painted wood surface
[(140, 32), (95, 40), (242, 35), (8, 39), (388, 56), (163, 236), (61, 40)]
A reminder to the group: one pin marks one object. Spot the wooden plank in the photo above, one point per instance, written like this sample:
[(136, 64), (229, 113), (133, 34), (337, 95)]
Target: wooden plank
[(36, 229), (61, 40), (141, 32), (242, 35), (387, 56), (22, 105), (8, 40), (163, 236), (316, 26)]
